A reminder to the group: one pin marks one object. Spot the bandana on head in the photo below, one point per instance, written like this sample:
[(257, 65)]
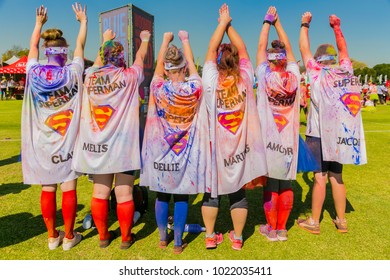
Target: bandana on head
[(276, 56), (325, 58), (171, 66), (56, 50), (111, 52)]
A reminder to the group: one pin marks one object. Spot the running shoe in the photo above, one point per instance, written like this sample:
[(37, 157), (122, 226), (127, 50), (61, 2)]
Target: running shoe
[(341, 225), (54, 242), (236, 242), (213, 241), (281, 234), (268, 232), (309, 225), (67, 244)]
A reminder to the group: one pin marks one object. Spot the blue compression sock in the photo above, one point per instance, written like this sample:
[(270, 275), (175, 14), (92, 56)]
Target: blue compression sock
[(179, 221), (161, 209)]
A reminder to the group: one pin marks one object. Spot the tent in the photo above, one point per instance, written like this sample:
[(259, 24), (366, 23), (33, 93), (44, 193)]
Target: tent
[(11, 60), (18, 67)]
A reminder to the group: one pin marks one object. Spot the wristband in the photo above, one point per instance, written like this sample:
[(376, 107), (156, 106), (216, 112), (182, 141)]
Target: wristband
[(270, 18), (267, 21), (305, 24)]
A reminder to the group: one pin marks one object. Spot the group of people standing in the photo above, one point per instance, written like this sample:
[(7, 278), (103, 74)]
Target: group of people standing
[(209, 134)]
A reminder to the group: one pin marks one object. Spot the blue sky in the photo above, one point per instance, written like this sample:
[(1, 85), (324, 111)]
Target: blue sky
[(365, 23)]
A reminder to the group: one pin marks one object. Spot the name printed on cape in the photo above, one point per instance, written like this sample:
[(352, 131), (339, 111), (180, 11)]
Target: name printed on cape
[(56, 159), (237, 158), (166, 166), (279, 148), (95, 148), (349, 141)]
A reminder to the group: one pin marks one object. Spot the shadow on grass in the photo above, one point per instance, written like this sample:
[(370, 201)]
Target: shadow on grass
[(13, 188), (10, 160), (20, 227)]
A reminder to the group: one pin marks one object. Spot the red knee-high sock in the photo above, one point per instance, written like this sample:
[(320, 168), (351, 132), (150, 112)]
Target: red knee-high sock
[(125, 213), (69, 208), (49, 208), (271, 207), (99, 209), (286, 199)]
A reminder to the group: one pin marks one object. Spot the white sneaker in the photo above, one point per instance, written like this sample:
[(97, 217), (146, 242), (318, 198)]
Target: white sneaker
[(54, 242), (67, 244)]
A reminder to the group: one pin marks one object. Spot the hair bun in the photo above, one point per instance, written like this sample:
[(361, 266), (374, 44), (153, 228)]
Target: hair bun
[(276, 44), (51, 34)]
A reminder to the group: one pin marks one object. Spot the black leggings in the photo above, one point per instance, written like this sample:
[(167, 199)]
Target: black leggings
[(166, 197), (237, 200)]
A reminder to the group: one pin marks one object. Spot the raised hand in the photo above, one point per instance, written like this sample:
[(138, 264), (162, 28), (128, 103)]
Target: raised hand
[(80, 12), (271, 15), (224, 14), (334, 21), (168, 37), (306, 17), (145, 35), (183, 35), (41, 15), (108, 35)]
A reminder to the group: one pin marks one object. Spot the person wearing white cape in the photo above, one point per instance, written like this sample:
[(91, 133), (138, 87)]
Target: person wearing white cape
[(176, 147), (334, 130), (278, 106), (108, 142), (237, 150), (50, 123)]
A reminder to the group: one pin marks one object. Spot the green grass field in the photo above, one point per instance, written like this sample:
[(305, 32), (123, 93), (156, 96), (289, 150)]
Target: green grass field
[(23, 234)]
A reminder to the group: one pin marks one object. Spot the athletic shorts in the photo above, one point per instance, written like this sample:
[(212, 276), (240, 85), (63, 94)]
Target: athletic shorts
[(130, 172), (314, 144)]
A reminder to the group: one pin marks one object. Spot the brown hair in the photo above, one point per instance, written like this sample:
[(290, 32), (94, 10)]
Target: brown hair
[(175, 56), (228, 61), (277, 47), (53, 38), (326, 49)]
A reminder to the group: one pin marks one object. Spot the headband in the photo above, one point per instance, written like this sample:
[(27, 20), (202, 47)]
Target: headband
[(56, 50), (325, 58), (276, 56), (171, 66)]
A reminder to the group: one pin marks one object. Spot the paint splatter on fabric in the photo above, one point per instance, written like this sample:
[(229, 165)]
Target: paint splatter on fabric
[(50, 121), (237, 150), (108, 141), (278, 108), (176, 147), (337, 112)]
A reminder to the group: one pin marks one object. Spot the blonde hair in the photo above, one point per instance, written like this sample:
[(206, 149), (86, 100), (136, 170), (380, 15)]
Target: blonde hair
[(174, 56), (53, 38)]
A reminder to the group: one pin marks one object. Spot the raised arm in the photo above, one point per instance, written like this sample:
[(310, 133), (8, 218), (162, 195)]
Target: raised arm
[(107, 35), (41, 18), (167, 38), (81, 16), (143, 48), (216, 39), (334, 22), (237, 41), (269, 18), (284, 38), (183, 35), (304, 43)]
